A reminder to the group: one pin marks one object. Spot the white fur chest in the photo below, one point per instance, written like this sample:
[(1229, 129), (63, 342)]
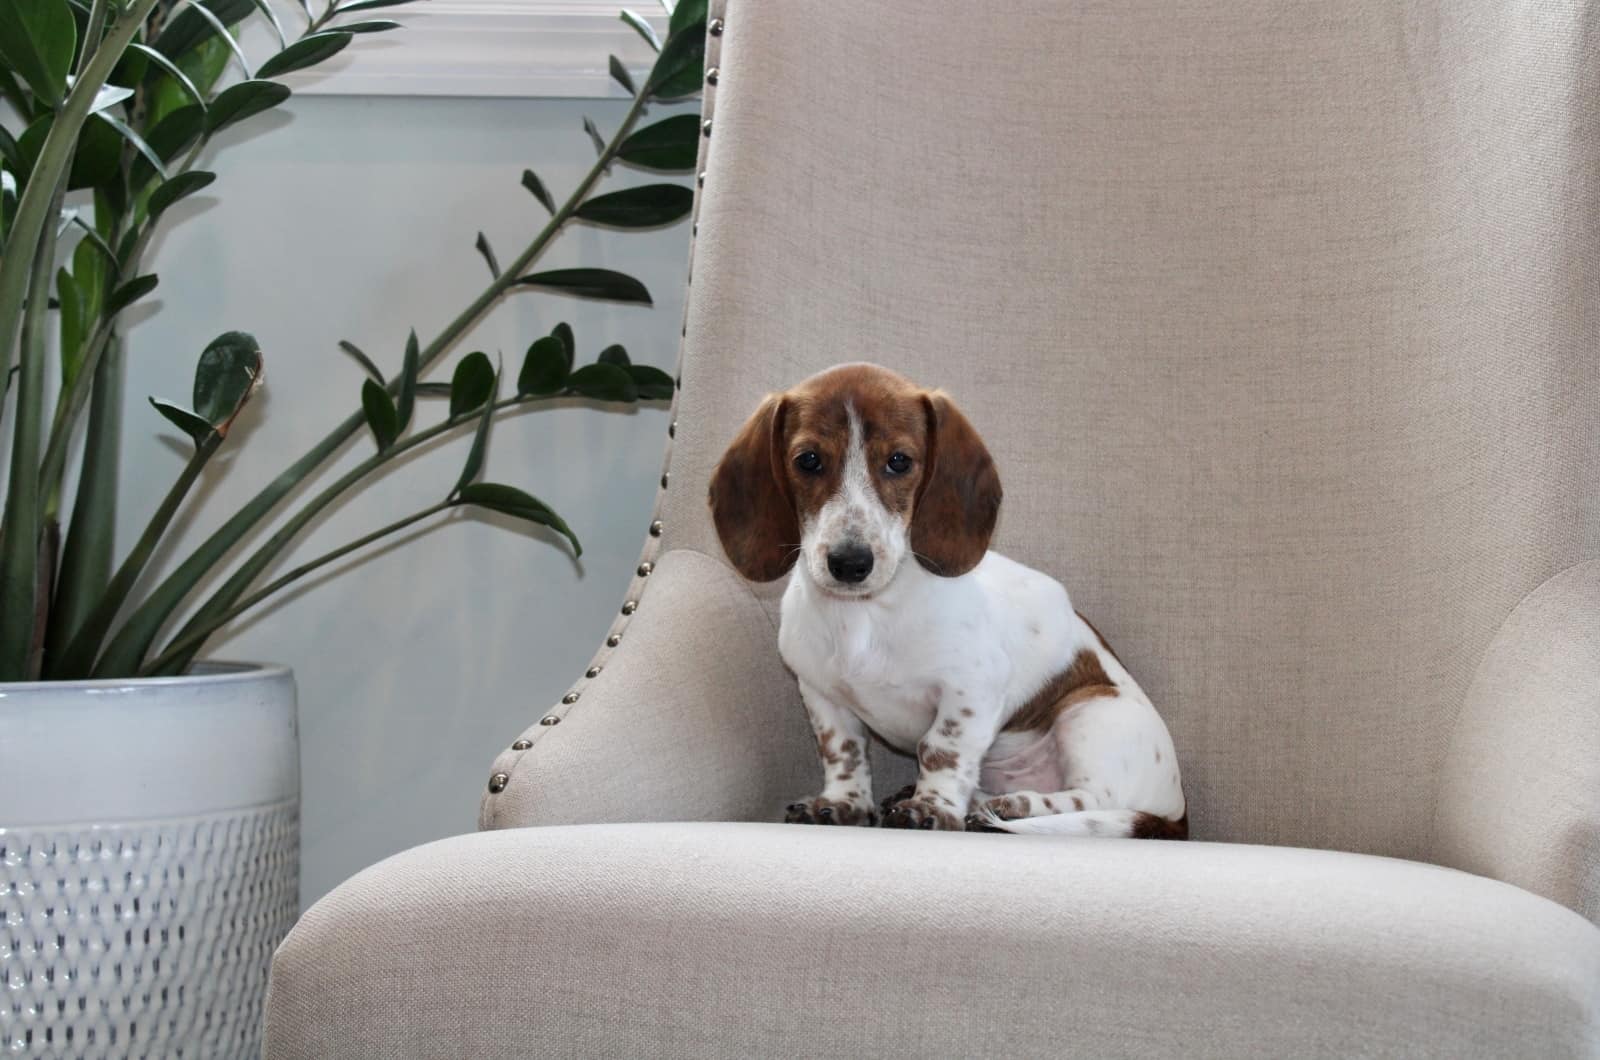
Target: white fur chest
[(888, 660)]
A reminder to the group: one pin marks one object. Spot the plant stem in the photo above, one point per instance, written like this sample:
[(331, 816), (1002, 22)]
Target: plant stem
[(91, 33), (87, 553), (187, 644), (133, 641), (78, 658), (33, 210), (19, 550)]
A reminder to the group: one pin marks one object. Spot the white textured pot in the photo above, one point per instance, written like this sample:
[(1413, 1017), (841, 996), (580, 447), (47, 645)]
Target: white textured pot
[(150, 858)]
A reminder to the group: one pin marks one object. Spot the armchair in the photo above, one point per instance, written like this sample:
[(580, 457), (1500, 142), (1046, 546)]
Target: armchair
[(1280, 322)]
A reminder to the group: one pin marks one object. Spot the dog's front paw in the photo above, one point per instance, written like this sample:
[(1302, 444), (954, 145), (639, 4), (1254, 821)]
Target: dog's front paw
[(922, 811), (831, 811)]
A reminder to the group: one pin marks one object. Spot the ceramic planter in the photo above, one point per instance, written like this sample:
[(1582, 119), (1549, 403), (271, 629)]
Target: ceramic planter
[(149, 861)]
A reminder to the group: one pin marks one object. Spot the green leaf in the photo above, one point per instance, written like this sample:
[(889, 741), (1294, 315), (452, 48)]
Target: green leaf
[(130, 292), (488, 256), (643, 28), (508, 500), (619, 73), (408, 381), (603, 382), (531, 181), (241, 101), (169, 137), (11, 153), (471, 384), (186, 421), (307, 51), (173, 70), (681, 65), (685, 16), (219, 27), (361, 358), (179, 187), (37, 40), (188, 29), (138, 142), (380, 413), (366, 5), (614, 354), (590, 283), (672, 144), (594, 135), (653, 384), (545, 367), (563, 332), (228, 373), (93, 242), (480, 438), (376, 25), (98, 159), (109, 96), (641, 207)]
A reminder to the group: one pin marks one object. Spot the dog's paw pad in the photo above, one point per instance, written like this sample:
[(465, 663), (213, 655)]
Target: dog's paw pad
[(830, 811), (924, 813)]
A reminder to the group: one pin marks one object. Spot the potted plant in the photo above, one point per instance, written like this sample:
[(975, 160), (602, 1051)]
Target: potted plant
[(149, 802)]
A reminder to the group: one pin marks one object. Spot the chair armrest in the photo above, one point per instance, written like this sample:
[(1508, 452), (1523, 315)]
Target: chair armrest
[(692, 717), (1519, 798)]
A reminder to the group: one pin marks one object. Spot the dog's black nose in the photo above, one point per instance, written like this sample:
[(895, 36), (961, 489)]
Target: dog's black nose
[(850, 563)]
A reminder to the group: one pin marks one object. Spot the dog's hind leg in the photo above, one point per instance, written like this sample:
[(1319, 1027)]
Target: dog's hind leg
[(991, 811)]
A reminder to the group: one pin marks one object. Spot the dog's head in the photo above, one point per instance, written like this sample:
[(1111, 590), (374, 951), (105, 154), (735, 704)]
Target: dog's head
[(851, 471)]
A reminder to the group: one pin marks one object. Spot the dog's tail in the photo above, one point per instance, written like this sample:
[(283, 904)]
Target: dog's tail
[(1121, 824)]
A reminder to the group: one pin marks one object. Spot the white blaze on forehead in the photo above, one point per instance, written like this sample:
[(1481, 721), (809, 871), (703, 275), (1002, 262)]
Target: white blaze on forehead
[(855, 513)]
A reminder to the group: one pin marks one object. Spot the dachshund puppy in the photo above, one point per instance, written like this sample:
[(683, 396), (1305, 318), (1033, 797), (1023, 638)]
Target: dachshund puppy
[(898, 621)]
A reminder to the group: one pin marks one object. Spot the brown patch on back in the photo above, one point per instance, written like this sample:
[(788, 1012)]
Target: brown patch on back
[(1084, 679), (1149, 826), (1099, 637)]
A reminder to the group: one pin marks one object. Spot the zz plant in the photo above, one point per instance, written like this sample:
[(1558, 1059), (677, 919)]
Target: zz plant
[(111, 104)]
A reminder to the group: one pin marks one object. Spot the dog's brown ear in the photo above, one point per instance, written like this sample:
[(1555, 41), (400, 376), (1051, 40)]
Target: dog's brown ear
[(750, 500), (958, 499)]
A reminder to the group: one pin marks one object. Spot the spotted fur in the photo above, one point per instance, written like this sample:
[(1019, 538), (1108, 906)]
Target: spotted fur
[(1021, 717)]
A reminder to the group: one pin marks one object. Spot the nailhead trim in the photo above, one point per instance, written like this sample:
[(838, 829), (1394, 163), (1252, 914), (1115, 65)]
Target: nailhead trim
[(655, 528), (592, 672), (498, 781), (714, 27), (644, 569), (705, 127), (712, 73), (570, 698), (630, 607), (549, 719), (613, 640), (521, 745)]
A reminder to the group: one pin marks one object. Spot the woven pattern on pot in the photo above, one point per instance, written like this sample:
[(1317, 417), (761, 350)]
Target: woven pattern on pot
[(144, 939)]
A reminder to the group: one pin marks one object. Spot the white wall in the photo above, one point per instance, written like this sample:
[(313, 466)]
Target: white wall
[(355, 218)]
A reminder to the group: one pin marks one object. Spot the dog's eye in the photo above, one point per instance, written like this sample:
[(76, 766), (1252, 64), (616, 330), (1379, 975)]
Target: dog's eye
[(899, 464), (809, 462)]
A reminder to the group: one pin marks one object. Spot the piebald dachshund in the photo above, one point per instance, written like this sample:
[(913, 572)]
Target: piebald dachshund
[(899, 621)]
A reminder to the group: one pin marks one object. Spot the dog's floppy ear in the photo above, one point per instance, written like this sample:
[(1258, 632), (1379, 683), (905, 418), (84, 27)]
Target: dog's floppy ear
[(958, 499), (750, 500)]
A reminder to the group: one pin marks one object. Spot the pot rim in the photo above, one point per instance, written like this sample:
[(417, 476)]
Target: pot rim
[(209, 672)]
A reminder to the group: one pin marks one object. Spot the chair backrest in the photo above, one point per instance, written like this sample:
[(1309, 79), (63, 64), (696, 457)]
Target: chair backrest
[(1282, 321)]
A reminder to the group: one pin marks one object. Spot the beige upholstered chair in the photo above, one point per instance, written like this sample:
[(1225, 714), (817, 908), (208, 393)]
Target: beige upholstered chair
[(1282, 321)]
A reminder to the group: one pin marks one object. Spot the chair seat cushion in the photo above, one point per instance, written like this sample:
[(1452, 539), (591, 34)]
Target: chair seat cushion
[(739, 940)]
